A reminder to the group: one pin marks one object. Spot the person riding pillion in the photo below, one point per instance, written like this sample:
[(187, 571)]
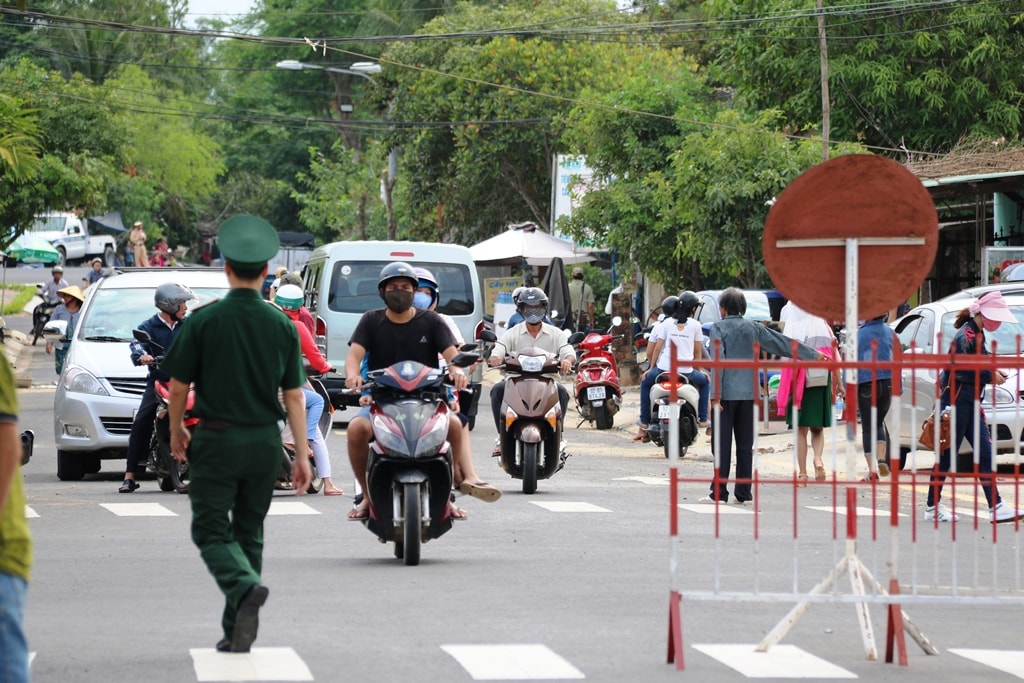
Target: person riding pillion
[(532, 332)]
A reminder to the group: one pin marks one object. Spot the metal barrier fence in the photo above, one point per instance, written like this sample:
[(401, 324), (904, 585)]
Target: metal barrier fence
[(879, 539)]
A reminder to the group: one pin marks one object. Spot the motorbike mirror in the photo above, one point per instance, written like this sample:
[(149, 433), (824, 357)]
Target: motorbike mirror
[(488, 336), (577, 337), (464, 360), (553, 313), (56, 330), (141, 335), (470, 346), (616, 321)]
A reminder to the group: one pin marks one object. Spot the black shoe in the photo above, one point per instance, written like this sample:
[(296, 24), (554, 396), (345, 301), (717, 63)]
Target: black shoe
[(128, 486), (223, 645), (247, 620)]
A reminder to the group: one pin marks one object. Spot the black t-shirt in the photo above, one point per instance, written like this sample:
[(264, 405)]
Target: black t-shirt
[(386, 342)]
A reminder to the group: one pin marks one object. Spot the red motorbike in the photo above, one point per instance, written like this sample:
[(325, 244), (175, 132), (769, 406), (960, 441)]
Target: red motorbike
[(597, 389)]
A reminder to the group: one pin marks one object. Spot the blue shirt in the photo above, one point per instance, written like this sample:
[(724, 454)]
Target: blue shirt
[(161, 336), (874, 331)]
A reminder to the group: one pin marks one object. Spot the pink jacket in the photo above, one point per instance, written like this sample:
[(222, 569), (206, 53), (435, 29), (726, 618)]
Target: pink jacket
[(791, 383)]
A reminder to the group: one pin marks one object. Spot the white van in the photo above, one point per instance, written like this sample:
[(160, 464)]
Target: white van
[(340, 282)]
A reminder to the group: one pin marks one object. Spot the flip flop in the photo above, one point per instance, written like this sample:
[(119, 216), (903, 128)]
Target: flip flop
[(335, 492), (481, 490), (359, 518)]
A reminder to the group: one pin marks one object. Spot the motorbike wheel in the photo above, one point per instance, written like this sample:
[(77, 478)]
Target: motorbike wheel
[(602, 418), (179, 475), (411, 525), (529, 468), (316, 482)]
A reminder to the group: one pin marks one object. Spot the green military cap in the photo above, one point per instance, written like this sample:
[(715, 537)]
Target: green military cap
[(247, 242)]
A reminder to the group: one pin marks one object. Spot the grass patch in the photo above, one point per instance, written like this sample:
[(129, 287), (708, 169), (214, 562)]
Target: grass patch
[(15, 298)]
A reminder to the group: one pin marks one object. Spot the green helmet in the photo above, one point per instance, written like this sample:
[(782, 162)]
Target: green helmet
[(289, 297)]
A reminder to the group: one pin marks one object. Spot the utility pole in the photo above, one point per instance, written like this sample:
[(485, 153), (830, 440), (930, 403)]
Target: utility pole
[(826, 107)]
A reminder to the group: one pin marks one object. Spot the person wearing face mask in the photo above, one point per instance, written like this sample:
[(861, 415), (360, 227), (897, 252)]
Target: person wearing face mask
[(532, 332), (162, 328), (961, 390), (396, 333)]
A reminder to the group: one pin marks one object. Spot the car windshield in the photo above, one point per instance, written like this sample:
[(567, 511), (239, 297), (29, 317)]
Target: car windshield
[(113, 313), (1003, 342), (354, 287)]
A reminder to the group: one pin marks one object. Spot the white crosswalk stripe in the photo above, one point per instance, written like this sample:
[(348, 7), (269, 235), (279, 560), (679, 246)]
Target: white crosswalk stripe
[(291, 507), (569, 506), (138, 509), (1010, 661), (781, 661), (261, 664), (512, 662)]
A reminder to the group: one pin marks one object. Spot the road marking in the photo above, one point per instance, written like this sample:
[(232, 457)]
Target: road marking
[(721, 508), (139, 509), (261, 664), (781, 661), (861, 512), (650, 481), (290, 507), (1010, 661), (569, 506), (30, 513), (512, 662)]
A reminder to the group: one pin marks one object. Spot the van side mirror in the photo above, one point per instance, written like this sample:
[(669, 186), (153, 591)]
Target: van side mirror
[(56, 330)]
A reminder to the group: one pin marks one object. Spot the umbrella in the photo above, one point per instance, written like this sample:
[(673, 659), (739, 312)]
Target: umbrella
[(29, 248), (525, 241), (556, 287)]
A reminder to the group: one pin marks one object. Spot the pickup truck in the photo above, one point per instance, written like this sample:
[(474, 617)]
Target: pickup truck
[(70, 236)]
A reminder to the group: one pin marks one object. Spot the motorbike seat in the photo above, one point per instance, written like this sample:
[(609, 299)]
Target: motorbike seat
[(666, 376)]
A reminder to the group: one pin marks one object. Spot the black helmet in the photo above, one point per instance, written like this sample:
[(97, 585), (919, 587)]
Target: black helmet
[(169, 295), (670, 306), (516, 293), (688, 303), (397, 269), (533, 304)]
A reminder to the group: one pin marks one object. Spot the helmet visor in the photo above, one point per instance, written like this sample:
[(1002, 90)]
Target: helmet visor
[(533, 314)]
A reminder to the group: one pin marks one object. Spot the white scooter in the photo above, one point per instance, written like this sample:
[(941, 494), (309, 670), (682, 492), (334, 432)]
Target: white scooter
[(663, 408)]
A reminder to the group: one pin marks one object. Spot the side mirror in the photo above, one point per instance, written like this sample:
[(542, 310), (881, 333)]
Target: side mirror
[(553, 314), (576, 338), (464, 360), (56, 330), (471, 346), (488, 336), (141, 336), (616, 321)]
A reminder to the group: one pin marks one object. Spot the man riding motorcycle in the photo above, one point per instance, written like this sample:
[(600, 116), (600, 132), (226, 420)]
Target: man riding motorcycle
[(532, 332)]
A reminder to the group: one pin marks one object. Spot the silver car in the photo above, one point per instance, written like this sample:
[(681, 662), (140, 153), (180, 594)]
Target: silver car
[(100, 390), (929, 329)]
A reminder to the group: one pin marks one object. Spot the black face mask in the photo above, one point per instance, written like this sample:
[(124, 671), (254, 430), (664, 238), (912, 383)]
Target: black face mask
[(398, 300)]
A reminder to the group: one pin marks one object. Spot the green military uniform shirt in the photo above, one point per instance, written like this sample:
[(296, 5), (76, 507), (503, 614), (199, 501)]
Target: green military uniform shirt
[(15, 540), (239, 351)]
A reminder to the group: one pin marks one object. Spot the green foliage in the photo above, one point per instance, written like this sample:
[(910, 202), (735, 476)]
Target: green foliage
[(22, 295), (19, 140)]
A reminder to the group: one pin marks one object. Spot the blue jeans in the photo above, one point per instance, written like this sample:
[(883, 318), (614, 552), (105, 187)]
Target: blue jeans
[(697, 379), (964, 427), (13, 646), (314, 409)]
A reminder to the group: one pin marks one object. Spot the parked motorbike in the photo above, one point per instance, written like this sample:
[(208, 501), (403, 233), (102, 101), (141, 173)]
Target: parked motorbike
[(663, 408), (316, 482), (171, 475), (41, 315), (531, 428), (597, 390), (409, 470)]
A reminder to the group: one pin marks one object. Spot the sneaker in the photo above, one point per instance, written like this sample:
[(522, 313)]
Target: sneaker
[(933, 512), (1004, 513)]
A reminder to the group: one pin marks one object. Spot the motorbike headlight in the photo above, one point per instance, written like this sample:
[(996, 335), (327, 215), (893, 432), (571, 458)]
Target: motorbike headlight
[(1002, 396), (531, 363), (430, 442), (391, 440), (80, 381)]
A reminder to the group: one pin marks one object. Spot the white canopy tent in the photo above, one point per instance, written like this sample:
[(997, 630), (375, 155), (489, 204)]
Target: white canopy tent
[(525, 241)]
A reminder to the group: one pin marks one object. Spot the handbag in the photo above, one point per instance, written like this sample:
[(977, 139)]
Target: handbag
[(927, 437)]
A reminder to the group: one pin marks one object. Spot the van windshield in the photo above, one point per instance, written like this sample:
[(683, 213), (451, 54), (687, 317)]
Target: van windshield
[(48, 224), (354, 287), (114, 313)]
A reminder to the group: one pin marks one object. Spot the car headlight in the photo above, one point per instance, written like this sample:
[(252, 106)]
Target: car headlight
[(531, 363), (80, 381), (1001, 396)]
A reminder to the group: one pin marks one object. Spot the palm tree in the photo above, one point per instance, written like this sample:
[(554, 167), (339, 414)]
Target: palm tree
[(19, 140)]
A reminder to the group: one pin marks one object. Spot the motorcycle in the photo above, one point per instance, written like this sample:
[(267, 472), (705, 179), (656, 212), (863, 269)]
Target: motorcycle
[(171, 475), (409, 469), (531, 429), (41, 315), (684, 407), (316, 482), (597, 390)]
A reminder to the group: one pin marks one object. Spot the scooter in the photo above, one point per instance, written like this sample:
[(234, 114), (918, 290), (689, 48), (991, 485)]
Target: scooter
[(597, 390), (409, 469), (684, 407), (171, 475), (531, 424), (316, 482), (41, 315)]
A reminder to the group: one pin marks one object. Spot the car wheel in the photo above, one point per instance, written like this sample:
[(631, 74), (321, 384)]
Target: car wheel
[(69, 466)]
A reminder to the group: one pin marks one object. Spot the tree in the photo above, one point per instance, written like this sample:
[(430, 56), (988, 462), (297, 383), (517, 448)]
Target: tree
[(920, 75), (19, 140)]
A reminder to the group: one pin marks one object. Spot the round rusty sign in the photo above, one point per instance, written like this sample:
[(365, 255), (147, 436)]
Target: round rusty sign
[(873, 199)]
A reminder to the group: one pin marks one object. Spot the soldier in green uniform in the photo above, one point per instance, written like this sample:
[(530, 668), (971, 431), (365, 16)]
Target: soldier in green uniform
[(239, 351)]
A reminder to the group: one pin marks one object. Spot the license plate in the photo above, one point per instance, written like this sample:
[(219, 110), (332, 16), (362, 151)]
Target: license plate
[(595, 393), (668, 411)]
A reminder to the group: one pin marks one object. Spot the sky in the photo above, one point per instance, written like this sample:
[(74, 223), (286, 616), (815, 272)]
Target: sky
[(219, 8)]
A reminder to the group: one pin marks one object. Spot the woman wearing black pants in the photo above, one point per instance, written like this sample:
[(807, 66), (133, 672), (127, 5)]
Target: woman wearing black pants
[(875, 342)]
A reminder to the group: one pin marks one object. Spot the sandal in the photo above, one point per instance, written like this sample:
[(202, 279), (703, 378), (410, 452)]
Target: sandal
[(481, 490), (819, 473), (801, 481), (128, 486), (642, 435), (883, 468)]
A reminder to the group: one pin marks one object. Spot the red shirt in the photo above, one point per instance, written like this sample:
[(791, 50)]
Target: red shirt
[(313, 356)]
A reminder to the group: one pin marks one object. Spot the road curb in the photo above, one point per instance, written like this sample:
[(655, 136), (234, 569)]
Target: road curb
[(15, 345)]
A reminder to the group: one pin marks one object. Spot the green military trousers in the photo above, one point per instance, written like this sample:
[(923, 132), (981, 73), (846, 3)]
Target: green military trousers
[(232, 482)]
